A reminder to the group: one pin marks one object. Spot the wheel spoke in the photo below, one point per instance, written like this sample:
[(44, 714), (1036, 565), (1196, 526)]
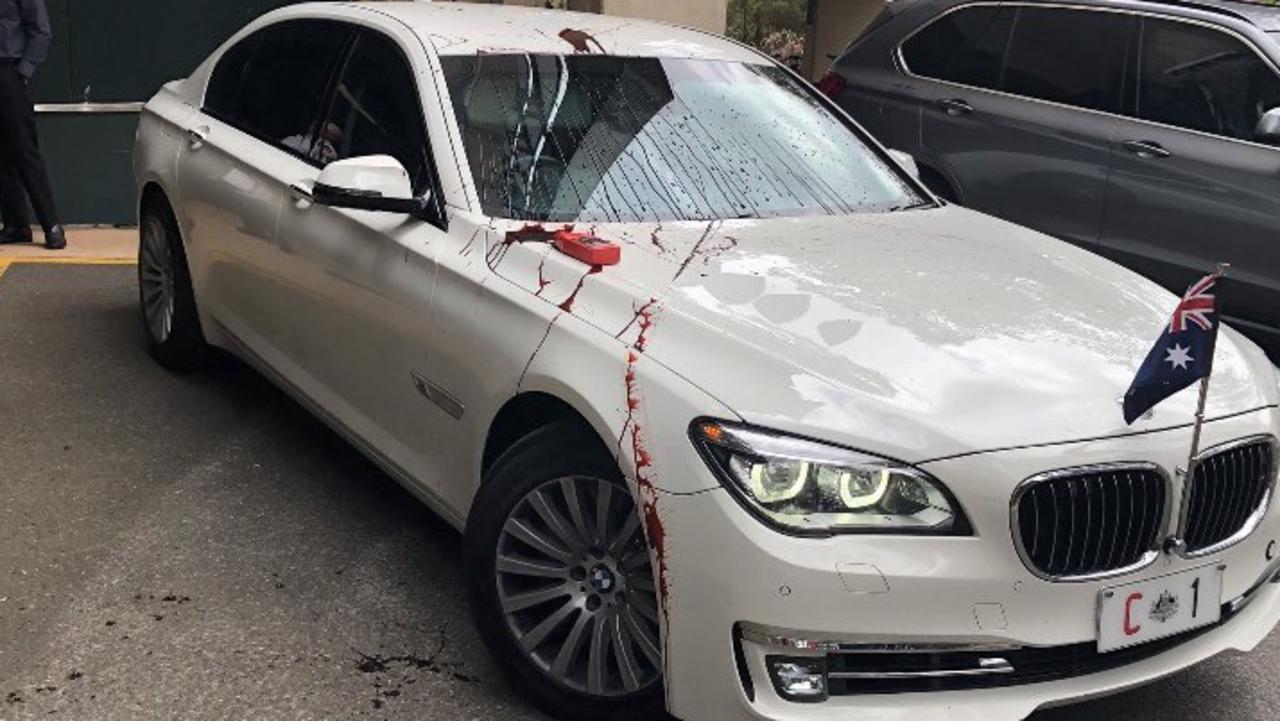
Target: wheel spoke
[(569, 488), (643, 582), (538, 541), (521, 601), (555, 521), (569, 649), (629, 530), (595, 658), (539, 633), (645, 606), (527, 567), (604, 496), (622, 653), (644, 638)]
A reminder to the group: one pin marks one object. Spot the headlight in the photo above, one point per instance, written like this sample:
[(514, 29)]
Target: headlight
[(804, 486)]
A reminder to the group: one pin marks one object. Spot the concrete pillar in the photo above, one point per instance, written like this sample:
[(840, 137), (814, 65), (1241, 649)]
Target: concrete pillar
[(833, 24)]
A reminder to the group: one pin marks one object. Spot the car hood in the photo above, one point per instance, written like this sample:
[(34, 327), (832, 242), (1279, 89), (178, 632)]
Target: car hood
[(917, 335)]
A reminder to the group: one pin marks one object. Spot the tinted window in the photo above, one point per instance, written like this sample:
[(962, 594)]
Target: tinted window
[(1202, 79), (965, 46), (272, 83), (375, 111), (600, 138), (1073, 57)]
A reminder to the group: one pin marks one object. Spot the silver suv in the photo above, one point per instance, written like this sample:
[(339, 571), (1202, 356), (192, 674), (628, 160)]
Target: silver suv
[(1147, 131)]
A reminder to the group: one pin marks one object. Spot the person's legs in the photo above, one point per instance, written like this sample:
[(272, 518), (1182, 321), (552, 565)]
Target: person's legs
[(13, 200), (18, 136)]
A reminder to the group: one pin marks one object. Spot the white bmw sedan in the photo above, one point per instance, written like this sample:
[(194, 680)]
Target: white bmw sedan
[(738, 419)]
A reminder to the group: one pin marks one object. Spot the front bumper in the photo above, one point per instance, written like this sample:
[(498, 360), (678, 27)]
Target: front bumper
[(726, 573)]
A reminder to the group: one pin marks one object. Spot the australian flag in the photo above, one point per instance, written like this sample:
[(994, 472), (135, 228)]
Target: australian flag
[(1182, 355)]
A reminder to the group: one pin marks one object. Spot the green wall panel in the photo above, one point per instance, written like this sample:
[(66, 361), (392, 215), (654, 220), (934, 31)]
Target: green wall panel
[(90, 160)]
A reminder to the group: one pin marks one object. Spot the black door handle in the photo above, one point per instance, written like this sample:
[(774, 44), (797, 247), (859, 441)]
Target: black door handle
[(1146, 149), (955, 106)]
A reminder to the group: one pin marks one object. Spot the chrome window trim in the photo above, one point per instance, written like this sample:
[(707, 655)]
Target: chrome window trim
[(1148, 558), (900, 61), (1255, 518), (121, 107)]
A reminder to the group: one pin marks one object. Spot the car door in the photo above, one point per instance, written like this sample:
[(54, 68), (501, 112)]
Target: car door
[(264, 93), (355, 314), (1190, 185), (1018, 119)]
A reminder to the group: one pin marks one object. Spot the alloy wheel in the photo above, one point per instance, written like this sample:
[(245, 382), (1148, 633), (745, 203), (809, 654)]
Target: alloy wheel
[(156, 271), (576, 587)]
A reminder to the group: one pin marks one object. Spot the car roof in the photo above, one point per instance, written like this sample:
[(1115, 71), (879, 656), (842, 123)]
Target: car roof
[(1265, 16), (467, 29)]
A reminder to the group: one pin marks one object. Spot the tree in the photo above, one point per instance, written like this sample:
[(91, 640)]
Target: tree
[(751, 21)]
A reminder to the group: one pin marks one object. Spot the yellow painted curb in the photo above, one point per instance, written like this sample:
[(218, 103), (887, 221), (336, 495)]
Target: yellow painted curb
[(41, 260)]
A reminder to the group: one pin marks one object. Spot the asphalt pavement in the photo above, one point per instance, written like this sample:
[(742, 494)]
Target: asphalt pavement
[(199, 547)]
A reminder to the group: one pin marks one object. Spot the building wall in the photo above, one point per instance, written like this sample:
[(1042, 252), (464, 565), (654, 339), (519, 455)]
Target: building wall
[(703, 14), (834, 24)]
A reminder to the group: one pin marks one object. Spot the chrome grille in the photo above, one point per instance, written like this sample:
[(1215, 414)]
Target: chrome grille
[(1092, 521), (1228, 493)]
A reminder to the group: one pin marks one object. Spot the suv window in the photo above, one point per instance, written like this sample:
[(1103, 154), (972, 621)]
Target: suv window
[(271, 84), (1202, 79), (1074, 57), (965, 46), (375, 111)]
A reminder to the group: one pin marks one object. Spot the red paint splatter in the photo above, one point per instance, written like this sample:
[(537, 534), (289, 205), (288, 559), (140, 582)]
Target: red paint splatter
[(655, 531), (567, 305), (579, 39), (542, 279), (707, 253), (644, 316), (653, 238)]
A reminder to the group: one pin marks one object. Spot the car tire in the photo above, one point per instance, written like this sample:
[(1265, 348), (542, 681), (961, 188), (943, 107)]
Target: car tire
[(590, 584), (166, 299)]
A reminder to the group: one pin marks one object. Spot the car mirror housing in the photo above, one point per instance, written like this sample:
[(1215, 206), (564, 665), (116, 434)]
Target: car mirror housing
[(1268, 130), (375, 182), (907, 162)]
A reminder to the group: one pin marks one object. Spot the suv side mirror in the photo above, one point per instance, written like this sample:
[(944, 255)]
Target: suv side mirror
[(1268, 130), (373, 182)]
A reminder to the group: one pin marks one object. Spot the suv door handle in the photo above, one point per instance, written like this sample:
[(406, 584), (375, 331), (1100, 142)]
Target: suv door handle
[(1146, 149), (196, 136), (955, 106)]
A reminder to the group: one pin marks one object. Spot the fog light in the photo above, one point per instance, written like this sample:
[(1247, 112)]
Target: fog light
[(799, 679)]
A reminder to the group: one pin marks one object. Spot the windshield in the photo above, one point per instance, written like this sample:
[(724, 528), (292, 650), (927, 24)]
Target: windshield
[(619, 139)]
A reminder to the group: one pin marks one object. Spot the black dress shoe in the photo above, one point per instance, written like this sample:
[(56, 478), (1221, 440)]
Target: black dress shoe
[(15, 234), (55, 238)]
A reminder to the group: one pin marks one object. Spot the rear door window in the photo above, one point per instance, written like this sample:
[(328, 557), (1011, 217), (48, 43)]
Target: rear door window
[(1198, 78), (964, 47), (1073, 57), (272, 83)]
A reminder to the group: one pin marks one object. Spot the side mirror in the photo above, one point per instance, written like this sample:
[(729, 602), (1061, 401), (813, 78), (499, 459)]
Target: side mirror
[(907, 162), (1268, 130), (374, 182)]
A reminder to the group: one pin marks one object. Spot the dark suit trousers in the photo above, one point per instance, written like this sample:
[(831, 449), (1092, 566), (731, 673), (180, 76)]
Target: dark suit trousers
[(21, 167)]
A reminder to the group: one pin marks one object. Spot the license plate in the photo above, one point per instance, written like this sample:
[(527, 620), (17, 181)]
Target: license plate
[(1158, 608)]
